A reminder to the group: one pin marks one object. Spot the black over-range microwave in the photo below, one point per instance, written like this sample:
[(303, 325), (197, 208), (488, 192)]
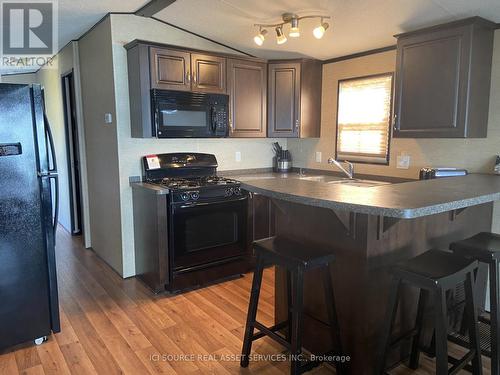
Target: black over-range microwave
[(182, 114)]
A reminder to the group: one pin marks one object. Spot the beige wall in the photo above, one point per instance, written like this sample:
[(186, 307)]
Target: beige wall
[(477, 155), (50, 79), (98, 98), (255, 153)]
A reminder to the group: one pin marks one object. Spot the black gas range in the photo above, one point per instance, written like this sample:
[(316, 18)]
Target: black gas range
[(200, 189), (205, 234)]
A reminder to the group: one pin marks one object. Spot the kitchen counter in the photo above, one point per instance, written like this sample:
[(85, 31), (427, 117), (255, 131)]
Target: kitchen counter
[(396, 200), (369, 225)]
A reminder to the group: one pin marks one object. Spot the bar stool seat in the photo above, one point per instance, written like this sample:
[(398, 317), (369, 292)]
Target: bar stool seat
[(433, 272), (296, 257), (436, 267), (485, 247), (292, 253)]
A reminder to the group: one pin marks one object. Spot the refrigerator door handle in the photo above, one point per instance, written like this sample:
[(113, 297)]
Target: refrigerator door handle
[(51, 144), (52, 175), (55, 177)]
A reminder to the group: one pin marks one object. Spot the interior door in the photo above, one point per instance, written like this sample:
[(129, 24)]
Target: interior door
[(247, 82), (209, 73), (170, 69), (73, 153), (284, 100)]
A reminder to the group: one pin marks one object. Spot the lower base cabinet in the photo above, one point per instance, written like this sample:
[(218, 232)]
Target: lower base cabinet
[(262, 224)]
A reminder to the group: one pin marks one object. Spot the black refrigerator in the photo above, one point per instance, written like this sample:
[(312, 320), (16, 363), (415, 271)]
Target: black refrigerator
[(29, 309)]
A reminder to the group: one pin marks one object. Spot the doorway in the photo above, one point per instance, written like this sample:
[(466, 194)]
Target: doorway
[(71, 130)]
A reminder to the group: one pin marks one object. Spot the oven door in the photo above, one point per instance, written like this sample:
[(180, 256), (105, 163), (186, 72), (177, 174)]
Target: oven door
[(208, 232)]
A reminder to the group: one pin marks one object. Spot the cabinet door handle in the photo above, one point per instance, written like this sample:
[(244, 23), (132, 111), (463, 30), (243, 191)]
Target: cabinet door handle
[(188, 77), (297, 124), (395, 122)]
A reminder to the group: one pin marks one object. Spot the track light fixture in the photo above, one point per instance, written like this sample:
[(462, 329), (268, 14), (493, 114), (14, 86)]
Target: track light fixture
[(293, 20)]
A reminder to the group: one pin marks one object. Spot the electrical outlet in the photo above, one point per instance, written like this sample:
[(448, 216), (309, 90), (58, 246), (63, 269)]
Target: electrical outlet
[(318, 156), (403, 161), (237, 156)]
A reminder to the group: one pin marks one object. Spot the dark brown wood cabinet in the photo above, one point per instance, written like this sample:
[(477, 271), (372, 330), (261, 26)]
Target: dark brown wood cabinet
[(184, 71), (294, 98), (247, 89), (280, 99), (209, 73), (262, 217), (170, 69), (443, 78)]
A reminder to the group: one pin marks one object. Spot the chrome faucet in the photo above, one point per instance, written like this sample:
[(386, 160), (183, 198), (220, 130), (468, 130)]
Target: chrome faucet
[(349, 172)]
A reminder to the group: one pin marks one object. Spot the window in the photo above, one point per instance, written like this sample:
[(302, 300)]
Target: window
[(363, 119)]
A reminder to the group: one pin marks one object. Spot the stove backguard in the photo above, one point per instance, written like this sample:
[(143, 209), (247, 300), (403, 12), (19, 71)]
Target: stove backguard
[(180, 164)]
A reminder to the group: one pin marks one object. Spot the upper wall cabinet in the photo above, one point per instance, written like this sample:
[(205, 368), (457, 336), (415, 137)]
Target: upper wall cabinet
[(294, 98), (170, 70), (443, 80), (184, 71), (247, 88), (209, 73)]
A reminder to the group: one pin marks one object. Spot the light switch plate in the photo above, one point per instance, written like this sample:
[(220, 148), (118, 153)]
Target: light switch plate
[(403, 161), (237, 156), (108, 118), (318, 156)]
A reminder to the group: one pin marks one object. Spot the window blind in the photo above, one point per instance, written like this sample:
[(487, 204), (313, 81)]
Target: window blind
[(363, 119)]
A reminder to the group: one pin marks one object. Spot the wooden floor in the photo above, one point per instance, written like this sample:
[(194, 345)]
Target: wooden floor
[(115, 326)]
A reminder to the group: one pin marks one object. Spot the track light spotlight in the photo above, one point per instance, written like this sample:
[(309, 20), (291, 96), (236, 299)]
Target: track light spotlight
[(280, 37), (294, 28), (319, 31), (260, 37)]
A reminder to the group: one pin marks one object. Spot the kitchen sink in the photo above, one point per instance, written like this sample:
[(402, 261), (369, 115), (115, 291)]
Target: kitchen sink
[(322, 178), (360, 183)]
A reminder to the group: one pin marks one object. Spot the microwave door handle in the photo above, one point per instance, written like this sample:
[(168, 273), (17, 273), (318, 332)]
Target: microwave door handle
[(213, 116)]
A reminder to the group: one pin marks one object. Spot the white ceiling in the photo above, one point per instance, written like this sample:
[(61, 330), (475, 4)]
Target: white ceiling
[(356, 25)]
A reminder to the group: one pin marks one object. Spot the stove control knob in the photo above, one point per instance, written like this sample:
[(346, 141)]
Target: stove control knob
[(185, 196), (195, 195), (237, 190), (229, 192)]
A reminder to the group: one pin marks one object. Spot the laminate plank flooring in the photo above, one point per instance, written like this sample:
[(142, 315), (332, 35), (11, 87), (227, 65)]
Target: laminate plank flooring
[(115, 326)]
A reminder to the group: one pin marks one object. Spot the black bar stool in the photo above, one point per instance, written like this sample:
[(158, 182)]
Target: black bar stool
[(297, 258), (434, 272), (485, 247)]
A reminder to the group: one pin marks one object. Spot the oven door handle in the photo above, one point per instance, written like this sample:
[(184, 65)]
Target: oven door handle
[(204, 204)]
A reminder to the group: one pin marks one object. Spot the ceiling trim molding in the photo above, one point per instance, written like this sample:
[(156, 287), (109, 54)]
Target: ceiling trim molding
[(17, 74), (203, 37), (152, 7), (360, 54)]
